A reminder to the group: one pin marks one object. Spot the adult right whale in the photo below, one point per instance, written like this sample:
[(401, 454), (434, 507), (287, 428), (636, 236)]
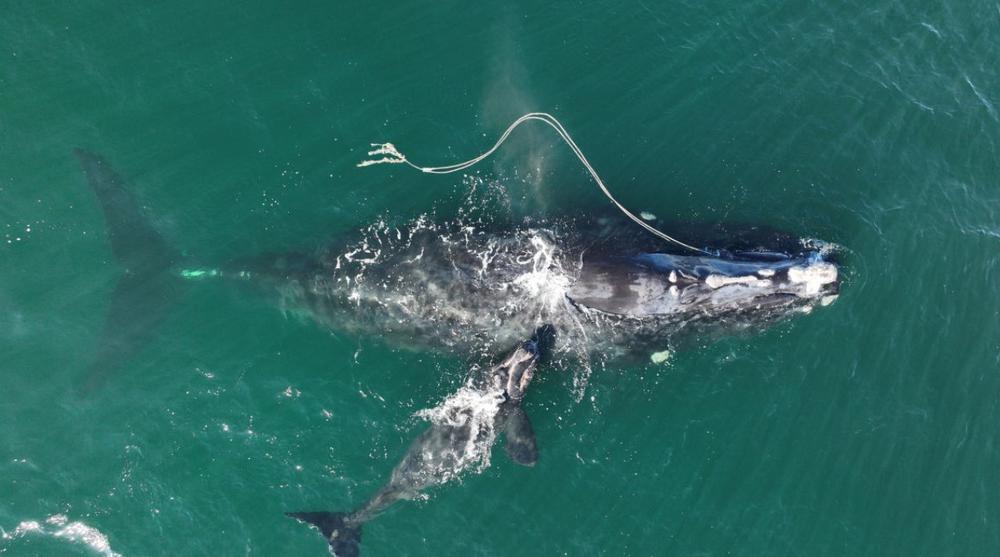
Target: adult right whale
[(475, 284)]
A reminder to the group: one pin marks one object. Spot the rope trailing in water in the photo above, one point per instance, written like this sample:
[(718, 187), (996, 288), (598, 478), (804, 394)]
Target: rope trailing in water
[(391, 155)]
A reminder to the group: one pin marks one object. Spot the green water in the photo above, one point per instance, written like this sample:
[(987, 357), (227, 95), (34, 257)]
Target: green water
[(869, 427)]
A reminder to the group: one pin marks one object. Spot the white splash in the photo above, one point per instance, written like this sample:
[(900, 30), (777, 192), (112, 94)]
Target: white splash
[(545, 282), (59, 526), (23, 528), (823, 249), (476, 410)]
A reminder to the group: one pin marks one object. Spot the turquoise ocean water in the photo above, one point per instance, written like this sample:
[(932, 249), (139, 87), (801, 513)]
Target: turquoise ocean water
[(869, 427)]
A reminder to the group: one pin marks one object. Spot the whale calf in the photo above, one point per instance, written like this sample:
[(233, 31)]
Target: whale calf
[(490, 403)]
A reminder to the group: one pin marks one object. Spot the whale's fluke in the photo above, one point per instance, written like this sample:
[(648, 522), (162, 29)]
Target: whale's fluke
[(146, 289), (519, 437), (134, 241), (344, 538)]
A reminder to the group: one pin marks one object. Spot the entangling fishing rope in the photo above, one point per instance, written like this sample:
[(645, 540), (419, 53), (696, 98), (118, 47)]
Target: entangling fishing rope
[(391, 155)]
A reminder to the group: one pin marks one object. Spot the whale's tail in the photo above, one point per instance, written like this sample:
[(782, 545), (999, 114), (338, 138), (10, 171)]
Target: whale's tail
[(344, 538), (146, 289)]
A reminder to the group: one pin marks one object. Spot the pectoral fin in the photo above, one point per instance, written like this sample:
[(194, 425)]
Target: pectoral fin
[(519, 438)]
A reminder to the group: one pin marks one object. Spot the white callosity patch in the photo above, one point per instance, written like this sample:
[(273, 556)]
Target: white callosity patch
[(813, 276), (59, 526), (718, 281)]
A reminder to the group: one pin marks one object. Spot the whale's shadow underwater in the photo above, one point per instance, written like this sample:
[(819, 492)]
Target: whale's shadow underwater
[(600, 287)]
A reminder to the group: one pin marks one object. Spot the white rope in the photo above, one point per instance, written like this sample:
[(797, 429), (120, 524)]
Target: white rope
[(391, 155)]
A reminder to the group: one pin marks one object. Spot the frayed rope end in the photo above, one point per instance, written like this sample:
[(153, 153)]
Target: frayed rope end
[(393, 156)]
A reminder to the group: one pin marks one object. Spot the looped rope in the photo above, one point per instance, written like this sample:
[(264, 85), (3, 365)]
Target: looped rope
[(391, 155)]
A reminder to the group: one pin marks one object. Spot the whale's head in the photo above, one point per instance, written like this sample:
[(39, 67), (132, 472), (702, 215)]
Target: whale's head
[(679, 287), (516, 371)]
